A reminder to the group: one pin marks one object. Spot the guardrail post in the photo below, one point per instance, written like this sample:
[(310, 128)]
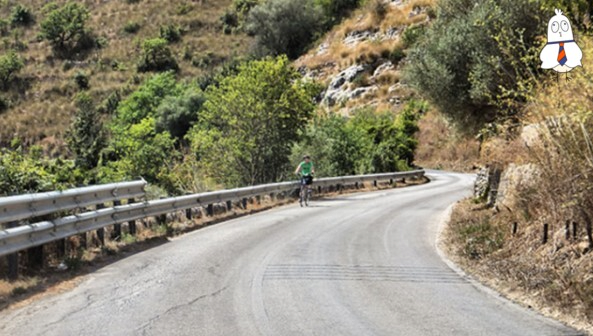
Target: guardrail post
[(101, 231), (210, 210), (404, 180), (375, 183), (575, 227), (567, 230), (319, 189), (116, 233), (515, 227), (131, 224), (244, 201), (390, 181), (545, 235), (229, 205), (258, 199), (13, 259), (188, 214)]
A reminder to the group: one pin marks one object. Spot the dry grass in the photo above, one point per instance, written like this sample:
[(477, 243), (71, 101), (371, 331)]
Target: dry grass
[(44, 109), (442, 147), (554, 278)]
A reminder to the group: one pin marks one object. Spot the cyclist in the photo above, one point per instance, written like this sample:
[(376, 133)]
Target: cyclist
[(305, 170)]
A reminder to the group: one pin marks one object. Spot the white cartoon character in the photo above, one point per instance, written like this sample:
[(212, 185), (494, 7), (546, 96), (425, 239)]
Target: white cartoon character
[(561, 54)]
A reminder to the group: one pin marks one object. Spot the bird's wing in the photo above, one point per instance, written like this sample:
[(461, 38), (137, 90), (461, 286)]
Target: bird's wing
[(574, 55), (549, 56)]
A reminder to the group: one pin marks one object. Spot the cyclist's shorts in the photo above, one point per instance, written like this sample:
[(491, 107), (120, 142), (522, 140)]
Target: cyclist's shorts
[(308, 180)]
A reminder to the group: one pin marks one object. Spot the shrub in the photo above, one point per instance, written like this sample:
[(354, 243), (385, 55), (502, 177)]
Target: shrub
[(132, 27), (4, 104), (171, 33), (82, 80), (491, 64), (335, 10), (412, 34), (230, 21), (156, 56), (397, 54), (177, 114), (65, 27), (86, 136), (10, 65), (21, 15), (284, 26), (4, 27)]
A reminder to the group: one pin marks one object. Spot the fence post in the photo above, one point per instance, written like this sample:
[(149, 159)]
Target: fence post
[(375, 183), (545, 236), (132, 224), (13, 259), (244, 200), (210, 210), (589, 234), (229, 205), (188, 214), (116, 233), (575, 227), (101, 231), (258, 199), (515, 227), (567, 230)]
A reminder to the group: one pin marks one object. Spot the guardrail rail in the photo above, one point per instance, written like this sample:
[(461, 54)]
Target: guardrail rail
[(16, 238)]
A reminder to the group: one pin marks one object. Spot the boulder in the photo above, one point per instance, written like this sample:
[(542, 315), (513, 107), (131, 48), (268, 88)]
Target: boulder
[(383, 68), (514, 179)]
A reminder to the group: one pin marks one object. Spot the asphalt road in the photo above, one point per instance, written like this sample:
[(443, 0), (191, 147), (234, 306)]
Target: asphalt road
[(362, 264)]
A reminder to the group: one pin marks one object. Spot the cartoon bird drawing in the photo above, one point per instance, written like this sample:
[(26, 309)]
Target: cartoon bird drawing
[(561, 53)]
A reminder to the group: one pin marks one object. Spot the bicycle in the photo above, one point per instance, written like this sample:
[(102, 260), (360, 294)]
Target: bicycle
[(305, 192)]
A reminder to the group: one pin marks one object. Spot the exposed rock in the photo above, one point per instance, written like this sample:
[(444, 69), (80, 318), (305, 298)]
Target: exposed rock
[(347, 75), (361, 91), (417, 10), (393, 33), (395, 100), (530, 135), (396, 3), (357, 36), (323, 48), (515, 178), (487, 183), (383, 68)]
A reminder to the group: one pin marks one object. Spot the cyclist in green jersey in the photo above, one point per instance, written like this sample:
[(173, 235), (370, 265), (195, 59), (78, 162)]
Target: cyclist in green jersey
[(305, 171)]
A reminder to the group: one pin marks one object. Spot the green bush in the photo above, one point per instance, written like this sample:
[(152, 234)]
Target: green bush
[(285, 26), (10, 65), (156, 56), (171, 33), (230, 21), (86, 137), (139, 151), (335, 10), (65, 28), (145, 101), (82, 80), (21, 15), (250, 122), (177, 114), (412, 34), (477, 57), (132, 27)]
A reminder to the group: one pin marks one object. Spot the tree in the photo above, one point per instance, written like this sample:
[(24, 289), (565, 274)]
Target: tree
[(65, 27), (477, 58), (21, 15), (86, 136), (285, 26), (10, 65), (251, 120), (157, 56)]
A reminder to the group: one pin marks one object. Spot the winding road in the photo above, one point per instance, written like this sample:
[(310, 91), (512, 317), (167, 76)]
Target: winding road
[(360, 264)]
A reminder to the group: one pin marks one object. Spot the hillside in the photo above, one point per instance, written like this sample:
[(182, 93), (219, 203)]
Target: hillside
[(41, 104)]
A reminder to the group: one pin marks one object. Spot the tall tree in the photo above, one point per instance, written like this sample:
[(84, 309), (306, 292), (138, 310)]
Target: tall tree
[(250, 122)]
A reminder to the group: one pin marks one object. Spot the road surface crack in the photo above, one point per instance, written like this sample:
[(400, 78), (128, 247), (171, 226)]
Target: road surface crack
[(145, 327)]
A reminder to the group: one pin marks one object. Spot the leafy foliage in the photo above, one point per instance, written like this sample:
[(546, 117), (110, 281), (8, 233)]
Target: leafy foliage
[(368, 142), (284, 26), (334, 10), (21, 15), (477, 56), (140, 151), (580, 12), (86, 137), (10, 65), (65, 27), (250, 122), (24, 172), (177, 114), (157, 56), (171, 33)]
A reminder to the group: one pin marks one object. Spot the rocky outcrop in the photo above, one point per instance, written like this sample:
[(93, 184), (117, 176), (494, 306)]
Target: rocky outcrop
[(382, 69), (514, 179)]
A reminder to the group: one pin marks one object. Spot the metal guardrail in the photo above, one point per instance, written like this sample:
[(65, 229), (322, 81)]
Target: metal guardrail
[(27, 236), (21, 207)]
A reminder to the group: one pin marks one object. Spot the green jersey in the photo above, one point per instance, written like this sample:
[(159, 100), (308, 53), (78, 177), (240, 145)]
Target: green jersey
[(306, 168)]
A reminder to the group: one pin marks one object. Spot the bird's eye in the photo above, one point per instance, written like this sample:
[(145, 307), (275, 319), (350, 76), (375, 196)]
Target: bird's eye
[(555, 27), (565, 26)]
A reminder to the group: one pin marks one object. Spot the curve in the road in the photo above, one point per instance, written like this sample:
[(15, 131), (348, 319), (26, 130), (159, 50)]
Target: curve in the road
[(362, 264)]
